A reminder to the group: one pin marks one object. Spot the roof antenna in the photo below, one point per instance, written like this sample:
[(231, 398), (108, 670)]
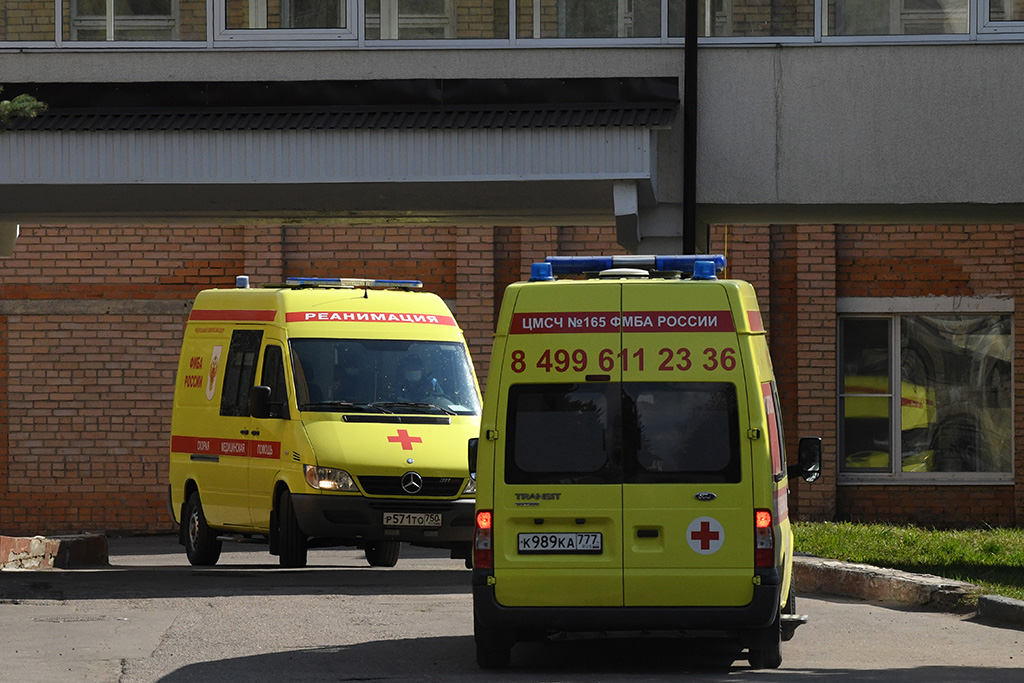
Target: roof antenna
[(366, 289)]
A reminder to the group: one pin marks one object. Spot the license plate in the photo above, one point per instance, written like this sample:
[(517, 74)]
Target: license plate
[(412, 519), (559, 543)]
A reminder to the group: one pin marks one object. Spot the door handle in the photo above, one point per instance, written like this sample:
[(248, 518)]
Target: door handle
[(647, 533)]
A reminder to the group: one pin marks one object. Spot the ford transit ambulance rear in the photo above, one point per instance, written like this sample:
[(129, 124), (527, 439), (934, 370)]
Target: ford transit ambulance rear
[(631, 473), (323, 412)]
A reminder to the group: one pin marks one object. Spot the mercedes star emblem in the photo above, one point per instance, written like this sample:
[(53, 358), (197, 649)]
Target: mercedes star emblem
[(412, 482)]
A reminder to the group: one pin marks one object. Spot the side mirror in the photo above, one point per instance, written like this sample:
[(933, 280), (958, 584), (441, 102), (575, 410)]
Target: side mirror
[(259, 402), (474, 445), (808, 466)]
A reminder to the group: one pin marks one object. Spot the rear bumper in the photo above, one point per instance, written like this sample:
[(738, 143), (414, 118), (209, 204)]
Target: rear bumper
[(758, 614), (354, 519)]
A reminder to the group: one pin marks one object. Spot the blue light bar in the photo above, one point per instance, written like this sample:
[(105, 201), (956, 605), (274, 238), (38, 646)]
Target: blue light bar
[(351, 282), (684, 263), (574, 265)]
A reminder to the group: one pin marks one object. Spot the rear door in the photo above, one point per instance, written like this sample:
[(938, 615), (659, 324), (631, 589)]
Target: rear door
[(558, 514), (687, 496)]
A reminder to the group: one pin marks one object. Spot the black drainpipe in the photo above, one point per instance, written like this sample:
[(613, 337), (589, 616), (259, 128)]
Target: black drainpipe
[(690, 130)]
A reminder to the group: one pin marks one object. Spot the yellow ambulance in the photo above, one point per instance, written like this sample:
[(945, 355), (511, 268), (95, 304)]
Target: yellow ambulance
[(631, 473), (323, 412)]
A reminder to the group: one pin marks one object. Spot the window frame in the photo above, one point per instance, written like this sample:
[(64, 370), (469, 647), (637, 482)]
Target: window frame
[(285, 36), (893, 309), (110, 25)]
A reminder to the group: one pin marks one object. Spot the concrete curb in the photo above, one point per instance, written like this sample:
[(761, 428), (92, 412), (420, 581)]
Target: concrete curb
[(890, 586), (53, 552)]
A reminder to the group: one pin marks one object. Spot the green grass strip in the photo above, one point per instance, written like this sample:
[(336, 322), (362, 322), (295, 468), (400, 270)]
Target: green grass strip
[(990, 558)]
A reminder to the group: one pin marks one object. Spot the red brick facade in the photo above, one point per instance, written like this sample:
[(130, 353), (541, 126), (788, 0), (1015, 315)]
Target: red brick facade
[(800, 272), (91, 319)]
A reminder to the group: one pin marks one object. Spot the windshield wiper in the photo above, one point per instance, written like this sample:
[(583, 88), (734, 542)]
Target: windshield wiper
[(343, 406), (411, 404)]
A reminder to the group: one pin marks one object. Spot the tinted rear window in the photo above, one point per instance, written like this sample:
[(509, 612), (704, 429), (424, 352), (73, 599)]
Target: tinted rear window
[(563, 433), (645, 432), (684, 432)]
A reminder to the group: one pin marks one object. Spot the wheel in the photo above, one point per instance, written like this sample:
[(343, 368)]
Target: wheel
[(493, 648), (383, 553), (765, 652), (201, 544), (291, 541)]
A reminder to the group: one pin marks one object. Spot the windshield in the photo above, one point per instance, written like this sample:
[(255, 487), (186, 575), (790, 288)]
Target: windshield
[(384, 375)]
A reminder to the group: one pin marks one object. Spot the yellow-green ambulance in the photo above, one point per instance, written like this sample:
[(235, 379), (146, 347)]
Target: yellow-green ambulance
[(631, 473), (323, 412)]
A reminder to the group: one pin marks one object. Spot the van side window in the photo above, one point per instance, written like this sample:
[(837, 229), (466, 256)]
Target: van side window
[(240, 372), (682, 432), (776, 442), (563, 434), (273, 377)]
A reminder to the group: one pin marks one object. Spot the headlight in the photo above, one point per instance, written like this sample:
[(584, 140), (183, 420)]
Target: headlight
[(471, 486), (329, 479)]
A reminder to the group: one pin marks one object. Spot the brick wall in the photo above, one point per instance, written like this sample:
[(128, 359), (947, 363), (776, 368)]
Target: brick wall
[(809, 268), (91, 319)]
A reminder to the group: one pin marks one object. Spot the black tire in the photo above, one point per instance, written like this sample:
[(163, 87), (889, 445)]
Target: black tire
[(493, 647), (290, 539), (383, 553), (766, 650), (201, 543)]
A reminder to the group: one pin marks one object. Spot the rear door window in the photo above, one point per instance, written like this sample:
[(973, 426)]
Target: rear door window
[(682, 432), (563, 434), (635, 432)]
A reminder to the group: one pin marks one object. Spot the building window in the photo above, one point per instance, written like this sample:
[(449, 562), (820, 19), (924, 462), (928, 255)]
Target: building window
[(411, 19), (124, 20), (1006, 10), (897, 17), (925, 393), (286, 14)]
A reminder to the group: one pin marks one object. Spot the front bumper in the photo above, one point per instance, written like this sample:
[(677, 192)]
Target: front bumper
[(355, 519)]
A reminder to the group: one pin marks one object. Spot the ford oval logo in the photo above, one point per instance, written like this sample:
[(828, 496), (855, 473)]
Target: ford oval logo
[(705, 496)]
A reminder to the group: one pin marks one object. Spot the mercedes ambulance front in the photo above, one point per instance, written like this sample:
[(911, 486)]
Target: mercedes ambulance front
[(323, 412)]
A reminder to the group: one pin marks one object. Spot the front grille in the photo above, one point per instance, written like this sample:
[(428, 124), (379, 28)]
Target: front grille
[(433, 487)]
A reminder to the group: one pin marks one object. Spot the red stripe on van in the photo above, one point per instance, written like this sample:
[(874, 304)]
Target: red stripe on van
[(232, 315), (368, 317), (200, 445), (584, 322)]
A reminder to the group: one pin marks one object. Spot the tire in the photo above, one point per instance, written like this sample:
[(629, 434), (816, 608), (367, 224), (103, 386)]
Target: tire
[(493, 650), (766, 650), (291, 541), (202, 547), (383, 553)]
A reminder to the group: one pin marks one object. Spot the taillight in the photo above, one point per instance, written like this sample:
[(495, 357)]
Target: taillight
[(483, 541), (764, 540)]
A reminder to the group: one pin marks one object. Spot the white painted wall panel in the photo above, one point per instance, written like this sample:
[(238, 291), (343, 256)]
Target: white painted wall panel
[(319, 156)]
